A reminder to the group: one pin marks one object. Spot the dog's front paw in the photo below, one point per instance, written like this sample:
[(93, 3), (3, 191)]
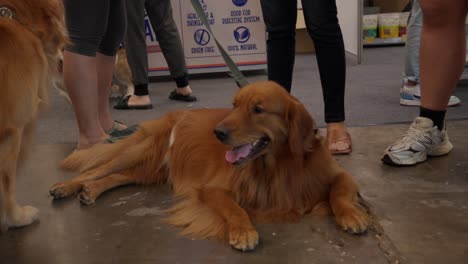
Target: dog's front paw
[(23, 216), (353, 220), (87, 196), (243, 238), (62, 190)]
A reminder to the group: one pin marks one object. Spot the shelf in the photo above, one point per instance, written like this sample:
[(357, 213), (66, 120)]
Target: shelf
[(384, 42)]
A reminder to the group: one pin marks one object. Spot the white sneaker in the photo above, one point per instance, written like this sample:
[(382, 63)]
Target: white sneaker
[(421, 140), (411, 96)]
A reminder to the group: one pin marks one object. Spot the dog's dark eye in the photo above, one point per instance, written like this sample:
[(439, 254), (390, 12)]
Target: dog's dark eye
[(258, 110)]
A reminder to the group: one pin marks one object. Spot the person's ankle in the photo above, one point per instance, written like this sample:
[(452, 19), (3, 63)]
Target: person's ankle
[(108, 124), (336, 126)]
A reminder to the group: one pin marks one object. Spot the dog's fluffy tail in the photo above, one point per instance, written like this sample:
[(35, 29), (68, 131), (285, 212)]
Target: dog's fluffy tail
[(85, 160), (196, 218), (144, 151)]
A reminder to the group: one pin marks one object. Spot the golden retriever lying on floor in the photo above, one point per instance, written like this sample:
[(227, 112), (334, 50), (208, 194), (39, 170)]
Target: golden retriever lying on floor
[(264, 162), (32, 33)]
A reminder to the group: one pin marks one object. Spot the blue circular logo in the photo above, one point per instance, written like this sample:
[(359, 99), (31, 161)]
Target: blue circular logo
[(201, 37), (239, 2), (242, 34)]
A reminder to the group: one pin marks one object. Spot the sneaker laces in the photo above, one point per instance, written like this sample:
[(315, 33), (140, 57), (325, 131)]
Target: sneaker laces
[(418, 135)]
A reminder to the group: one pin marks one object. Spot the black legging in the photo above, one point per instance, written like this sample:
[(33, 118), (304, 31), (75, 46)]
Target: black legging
[(322, 25), (95, 26)]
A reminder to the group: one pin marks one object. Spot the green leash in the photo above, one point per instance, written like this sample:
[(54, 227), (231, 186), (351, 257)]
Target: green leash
[(236, 73)]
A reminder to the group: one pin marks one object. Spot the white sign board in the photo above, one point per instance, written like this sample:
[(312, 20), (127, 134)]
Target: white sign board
[(350, 18), (237, 24)]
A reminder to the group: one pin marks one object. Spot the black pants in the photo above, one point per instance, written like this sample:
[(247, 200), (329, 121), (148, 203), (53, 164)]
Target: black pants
[(95, 26), (322, 26), (161, 18)]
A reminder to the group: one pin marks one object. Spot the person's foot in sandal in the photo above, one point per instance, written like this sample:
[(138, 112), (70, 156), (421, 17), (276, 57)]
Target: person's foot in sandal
[(338, 138), (119, 130), (134, 102), (183, 94)]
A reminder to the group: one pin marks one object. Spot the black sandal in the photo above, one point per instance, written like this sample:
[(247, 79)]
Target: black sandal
[(116, 134), (180, 97), (123, 105)]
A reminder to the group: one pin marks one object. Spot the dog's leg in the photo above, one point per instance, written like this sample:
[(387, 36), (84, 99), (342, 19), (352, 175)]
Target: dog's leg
[(121, 162), (93, 189), (241, 232), (73, 186), (11, 214), (343, 201)]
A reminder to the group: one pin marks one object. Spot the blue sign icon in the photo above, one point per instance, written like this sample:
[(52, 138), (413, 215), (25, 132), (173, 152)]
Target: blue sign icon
[(201, 37), (242, 34), (239, 2)]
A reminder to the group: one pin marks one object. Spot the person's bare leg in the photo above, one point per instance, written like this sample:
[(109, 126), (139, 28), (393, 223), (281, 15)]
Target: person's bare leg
[(80, 78), (105, 69), (442, 54)]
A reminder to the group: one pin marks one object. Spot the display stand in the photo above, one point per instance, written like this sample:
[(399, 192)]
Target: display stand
[(237, 24), (385, 6)]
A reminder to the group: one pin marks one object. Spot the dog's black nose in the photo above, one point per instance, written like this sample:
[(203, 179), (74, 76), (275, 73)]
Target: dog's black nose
[(221, 133)]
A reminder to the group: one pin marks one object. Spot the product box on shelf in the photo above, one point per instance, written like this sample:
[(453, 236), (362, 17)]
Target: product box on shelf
[(304, 43)]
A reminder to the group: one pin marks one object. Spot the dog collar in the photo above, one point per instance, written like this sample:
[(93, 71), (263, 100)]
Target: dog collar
[(6, 12)]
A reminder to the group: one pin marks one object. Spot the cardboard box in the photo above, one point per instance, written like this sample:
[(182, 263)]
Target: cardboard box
[(304, 43)]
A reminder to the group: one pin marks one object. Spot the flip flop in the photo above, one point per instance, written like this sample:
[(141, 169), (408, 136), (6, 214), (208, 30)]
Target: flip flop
[(180, 97), (123, 105), (339, 146), (116, 134)]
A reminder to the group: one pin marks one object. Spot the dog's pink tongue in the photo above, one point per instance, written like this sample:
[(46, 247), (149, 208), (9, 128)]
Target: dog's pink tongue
[(234, 155)]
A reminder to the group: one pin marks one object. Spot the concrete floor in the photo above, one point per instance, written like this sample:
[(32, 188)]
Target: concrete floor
[(421, 216)]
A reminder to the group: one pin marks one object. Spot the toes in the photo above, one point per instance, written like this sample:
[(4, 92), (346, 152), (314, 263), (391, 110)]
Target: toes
[(86, 197), (58, 191), (30, 214), (243, 239), (24, 216), (354, 221), (62, 190)]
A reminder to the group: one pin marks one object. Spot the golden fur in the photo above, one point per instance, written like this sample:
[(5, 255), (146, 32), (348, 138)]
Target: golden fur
[(292, 175), (29, 50), (122, 79)]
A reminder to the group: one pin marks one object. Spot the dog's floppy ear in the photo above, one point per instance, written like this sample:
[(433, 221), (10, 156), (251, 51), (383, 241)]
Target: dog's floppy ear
[(301, 128)]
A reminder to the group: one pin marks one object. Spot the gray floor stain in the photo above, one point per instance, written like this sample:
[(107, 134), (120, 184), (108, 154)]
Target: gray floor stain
[(125, 198), (144, 211), (119, 223), (118, 203), (433, 203)]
